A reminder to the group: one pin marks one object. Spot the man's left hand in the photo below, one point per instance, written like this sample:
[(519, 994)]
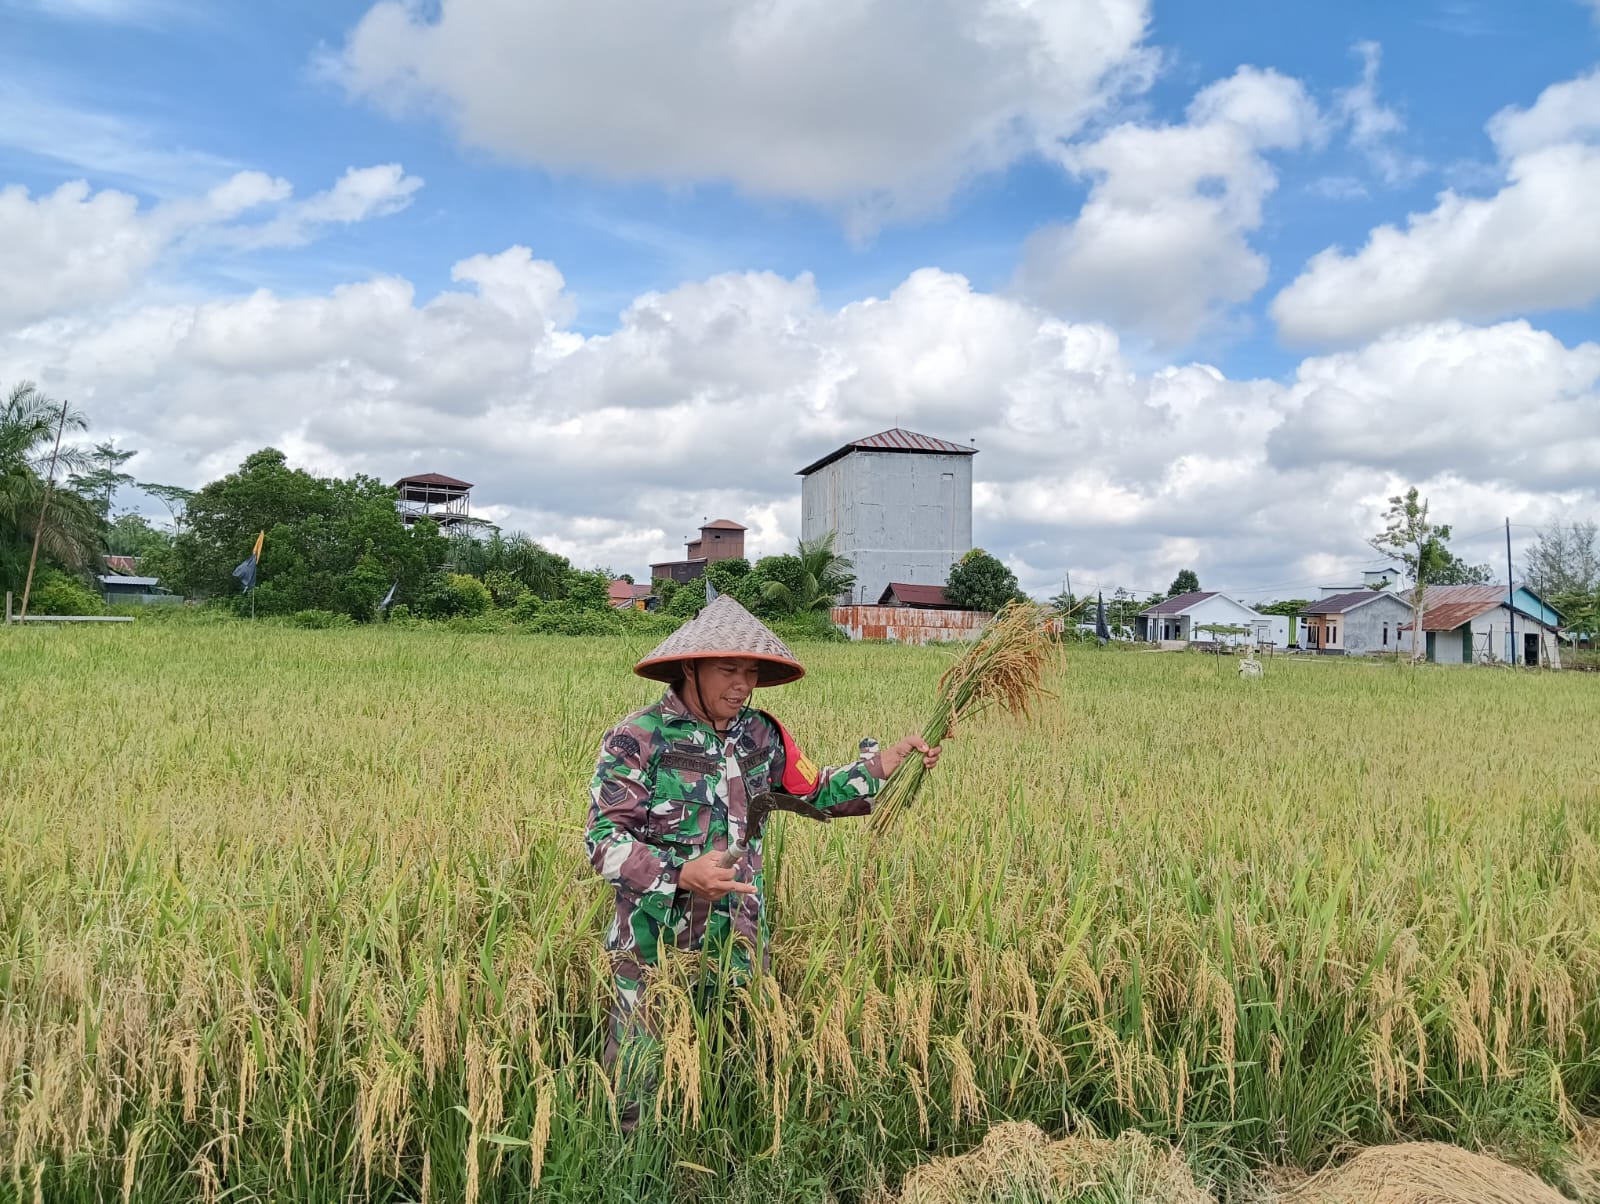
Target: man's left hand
[(889, 759)]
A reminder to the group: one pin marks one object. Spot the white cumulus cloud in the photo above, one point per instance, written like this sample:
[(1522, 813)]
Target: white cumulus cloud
[(1534, 245), (707, 397), (1433, 400), (72, 247), (880, 107), (1162, 246)]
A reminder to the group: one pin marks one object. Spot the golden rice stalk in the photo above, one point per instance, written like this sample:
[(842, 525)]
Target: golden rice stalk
[(1004, 667)]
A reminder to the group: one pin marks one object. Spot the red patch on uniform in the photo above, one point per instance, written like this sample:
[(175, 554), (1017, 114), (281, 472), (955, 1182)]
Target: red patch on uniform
[(800, 776)]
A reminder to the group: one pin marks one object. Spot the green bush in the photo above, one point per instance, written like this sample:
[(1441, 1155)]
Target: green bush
[(688, 598), (664, 588), (450, 595), (505, 588), (320, 620), (645, 623), (406, 619), (590, 590), (526, 608), (811, 625), (55, 593), (564, 618), (727, 574)]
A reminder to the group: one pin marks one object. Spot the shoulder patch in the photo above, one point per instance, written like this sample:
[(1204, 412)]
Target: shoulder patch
[(622, 745), (800, 774)]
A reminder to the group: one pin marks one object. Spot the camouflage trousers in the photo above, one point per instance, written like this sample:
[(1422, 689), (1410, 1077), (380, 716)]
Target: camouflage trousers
[(632, 1052)]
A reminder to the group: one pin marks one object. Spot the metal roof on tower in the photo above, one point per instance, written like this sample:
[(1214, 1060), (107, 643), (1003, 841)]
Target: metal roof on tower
[(895, 439), (432, 478)]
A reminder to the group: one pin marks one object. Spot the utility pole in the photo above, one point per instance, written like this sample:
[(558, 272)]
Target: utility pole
[(44, 505), (1511, 601)]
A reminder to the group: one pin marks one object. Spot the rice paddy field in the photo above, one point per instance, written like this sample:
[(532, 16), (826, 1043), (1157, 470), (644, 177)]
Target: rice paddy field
[(306, 915)]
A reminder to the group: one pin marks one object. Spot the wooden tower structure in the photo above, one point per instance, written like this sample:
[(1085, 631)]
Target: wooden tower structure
[(445, 500)]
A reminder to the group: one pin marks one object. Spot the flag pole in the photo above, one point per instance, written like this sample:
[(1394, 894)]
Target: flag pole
[(44, 505)]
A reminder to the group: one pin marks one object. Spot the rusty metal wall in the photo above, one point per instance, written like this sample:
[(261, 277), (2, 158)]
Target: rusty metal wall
[(908, 625)]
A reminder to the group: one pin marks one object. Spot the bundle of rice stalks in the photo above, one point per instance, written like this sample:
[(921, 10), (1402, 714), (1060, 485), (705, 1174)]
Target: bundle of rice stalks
[(1422, 1172), (1004, 668), (1018, 1164)]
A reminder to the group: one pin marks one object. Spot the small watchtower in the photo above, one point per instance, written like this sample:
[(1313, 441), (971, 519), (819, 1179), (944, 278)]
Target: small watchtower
[(445, 500)]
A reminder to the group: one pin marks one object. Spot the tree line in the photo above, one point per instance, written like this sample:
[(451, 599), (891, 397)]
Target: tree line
[(339, 547), (335, 549)]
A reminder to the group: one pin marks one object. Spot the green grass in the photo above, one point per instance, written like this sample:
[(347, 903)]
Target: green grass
[(305, 915)]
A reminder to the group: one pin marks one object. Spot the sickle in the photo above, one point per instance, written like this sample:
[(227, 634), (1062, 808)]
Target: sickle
[(756, 813)]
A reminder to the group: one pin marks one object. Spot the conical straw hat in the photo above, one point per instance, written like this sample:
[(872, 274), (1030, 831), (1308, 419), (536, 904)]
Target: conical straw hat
[(723, 629)]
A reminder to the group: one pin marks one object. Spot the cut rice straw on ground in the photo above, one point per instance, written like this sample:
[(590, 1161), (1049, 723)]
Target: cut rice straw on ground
[(1005, 667), (1018, 1164), (1422, 1172)]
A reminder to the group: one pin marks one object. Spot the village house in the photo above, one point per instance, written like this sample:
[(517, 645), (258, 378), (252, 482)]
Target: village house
[(1183, 617), (1358, 623), (1474, 624), (626, 595), (917, 597), (119, 589)]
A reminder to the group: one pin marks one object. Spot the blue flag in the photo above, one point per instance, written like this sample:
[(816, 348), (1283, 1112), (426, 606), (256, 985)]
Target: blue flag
[(388, 597), (246, 572), (711, 591), (1101, 631)]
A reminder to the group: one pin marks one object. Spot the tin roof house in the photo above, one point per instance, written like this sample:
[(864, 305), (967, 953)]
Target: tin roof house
[(1183, 616), (1479, 625), (917, 597)]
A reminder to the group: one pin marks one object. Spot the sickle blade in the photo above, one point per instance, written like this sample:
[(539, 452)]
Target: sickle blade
[(769, 801), (756, 812)]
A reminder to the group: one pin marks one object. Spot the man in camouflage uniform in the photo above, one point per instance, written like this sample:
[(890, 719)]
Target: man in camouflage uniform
[(669, 798)]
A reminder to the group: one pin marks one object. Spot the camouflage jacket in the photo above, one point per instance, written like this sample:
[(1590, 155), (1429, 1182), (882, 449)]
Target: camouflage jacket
[(668, 788)]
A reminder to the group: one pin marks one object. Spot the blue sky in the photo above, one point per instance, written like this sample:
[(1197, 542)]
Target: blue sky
[(165, 100)]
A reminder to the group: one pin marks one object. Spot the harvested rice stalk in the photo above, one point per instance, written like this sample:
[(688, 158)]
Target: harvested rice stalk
[(1004, 667)]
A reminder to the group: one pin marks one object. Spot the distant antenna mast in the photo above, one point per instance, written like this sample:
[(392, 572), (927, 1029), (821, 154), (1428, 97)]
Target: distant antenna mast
[(1511, 600)]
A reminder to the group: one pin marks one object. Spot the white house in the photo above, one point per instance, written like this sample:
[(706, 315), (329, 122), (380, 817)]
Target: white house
[(1182, 617)]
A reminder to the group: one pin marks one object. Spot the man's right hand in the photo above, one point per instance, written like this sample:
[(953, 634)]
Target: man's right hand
[(706, 877)]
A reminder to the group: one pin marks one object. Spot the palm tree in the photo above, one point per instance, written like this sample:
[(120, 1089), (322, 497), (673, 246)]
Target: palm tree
[(72, 529), (541, 570), (823, 576)]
